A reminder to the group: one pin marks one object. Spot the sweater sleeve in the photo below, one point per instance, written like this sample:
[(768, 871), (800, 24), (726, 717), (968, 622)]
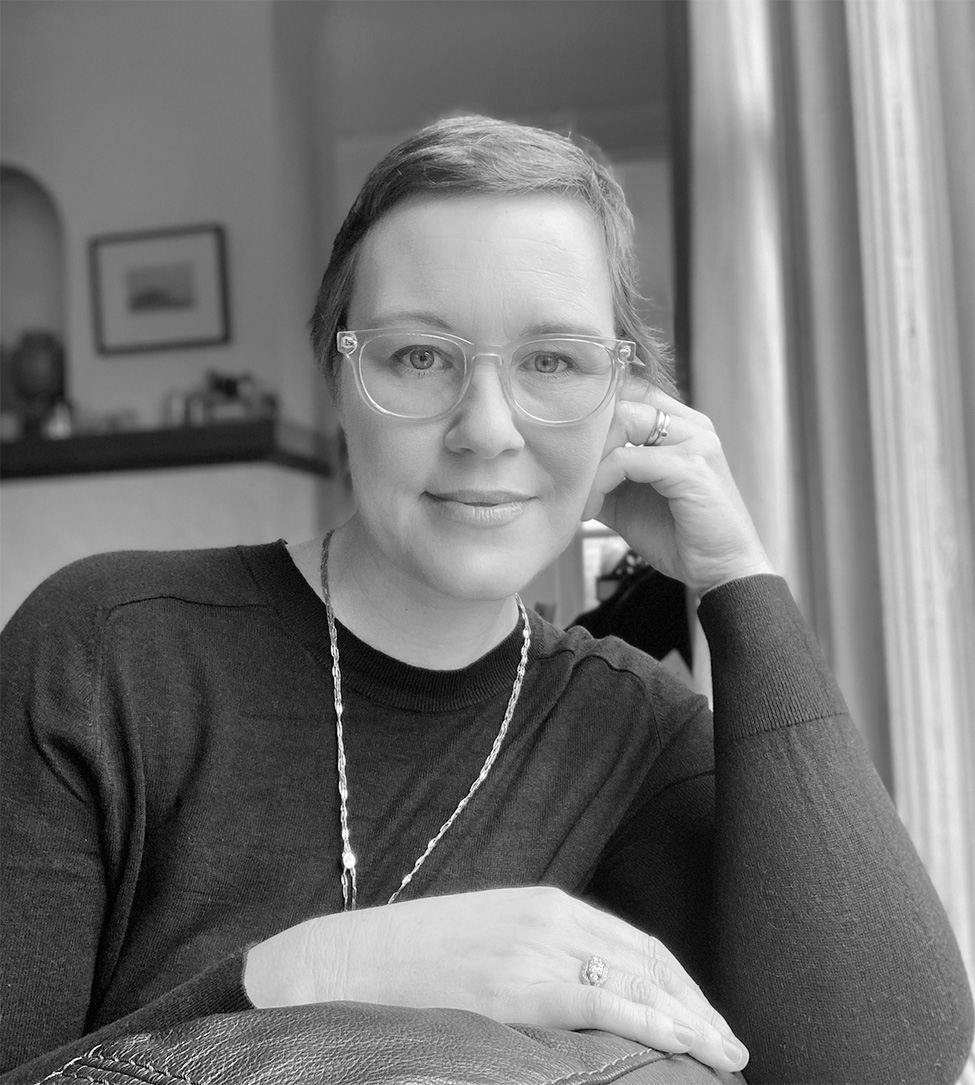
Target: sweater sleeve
[(820, 935), (218, 989), (69, 814)]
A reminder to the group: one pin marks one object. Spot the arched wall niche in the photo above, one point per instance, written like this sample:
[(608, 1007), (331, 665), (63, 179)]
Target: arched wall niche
[(31, 258)]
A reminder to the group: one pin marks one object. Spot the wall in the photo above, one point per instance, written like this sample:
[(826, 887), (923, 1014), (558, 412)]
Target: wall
[(301, 136), (264, 116), (163, 510), (31, 258), (160, 114), (392, 63), (385, 67), (136, 116)]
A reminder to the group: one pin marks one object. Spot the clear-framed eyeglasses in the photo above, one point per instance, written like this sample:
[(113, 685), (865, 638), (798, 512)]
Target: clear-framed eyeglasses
[(557, 380)]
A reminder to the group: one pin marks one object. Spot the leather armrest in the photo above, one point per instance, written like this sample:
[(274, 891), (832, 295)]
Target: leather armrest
[(355, 1043)]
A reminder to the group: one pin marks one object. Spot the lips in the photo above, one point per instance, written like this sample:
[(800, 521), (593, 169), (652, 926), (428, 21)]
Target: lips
[(478, 510), (481, 497)]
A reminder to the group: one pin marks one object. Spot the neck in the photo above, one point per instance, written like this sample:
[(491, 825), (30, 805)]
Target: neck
[(398, 616)]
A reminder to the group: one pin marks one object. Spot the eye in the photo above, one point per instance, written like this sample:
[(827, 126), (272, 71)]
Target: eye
[(547, 362), (421, 358)]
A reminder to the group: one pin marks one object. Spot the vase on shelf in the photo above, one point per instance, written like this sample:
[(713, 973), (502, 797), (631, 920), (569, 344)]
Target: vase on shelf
[(37, 371)]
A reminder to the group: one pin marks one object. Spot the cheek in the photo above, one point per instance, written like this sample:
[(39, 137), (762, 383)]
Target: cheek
[(570, 458), (386, 459)]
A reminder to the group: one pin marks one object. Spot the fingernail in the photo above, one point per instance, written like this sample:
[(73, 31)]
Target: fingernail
[(685, 1034), (734, 1051)]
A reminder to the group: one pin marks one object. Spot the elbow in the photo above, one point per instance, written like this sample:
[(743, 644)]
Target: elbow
[(937, 1047), (959, 1035)]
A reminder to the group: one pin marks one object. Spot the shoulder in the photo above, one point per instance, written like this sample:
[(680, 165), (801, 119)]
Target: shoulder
[(83, 595), (576, 647), (611, 672), (609, 712), (120, 646), (113, 579)]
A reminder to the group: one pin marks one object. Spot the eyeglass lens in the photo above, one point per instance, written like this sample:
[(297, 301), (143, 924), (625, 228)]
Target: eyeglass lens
[(420, 376)]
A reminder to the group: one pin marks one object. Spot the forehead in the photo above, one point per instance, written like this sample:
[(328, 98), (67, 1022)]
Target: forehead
[(480, 261)]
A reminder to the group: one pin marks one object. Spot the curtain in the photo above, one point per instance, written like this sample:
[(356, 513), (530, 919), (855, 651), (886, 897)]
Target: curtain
[(916, 238), (829, 297)]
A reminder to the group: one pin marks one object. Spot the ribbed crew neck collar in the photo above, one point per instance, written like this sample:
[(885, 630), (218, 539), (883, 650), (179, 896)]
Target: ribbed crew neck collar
[(382, 678)]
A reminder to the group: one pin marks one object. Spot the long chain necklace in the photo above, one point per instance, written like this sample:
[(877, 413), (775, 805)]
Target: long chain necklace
[(349, 893)]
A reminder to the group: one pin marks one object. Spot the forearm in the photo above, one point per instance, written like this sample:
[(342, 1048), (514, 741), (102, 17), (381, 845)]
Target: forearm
[(218, 989), (822, 909)]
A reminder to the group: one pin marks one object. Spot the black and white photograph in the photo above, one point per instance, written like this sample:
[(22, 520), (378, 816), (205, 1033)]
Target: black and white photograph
[(487, 542)]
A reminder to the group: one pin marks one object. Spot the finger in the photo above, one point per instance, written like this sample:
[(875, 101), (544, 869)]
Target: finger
[(648, 994), (627, 949), (635, 463), (684, 1008), (626, 455), (669, 989), (632, 425), (661, 424), (653, 976), (663, 988), (655, 399), (661, 970), (580, 1007)]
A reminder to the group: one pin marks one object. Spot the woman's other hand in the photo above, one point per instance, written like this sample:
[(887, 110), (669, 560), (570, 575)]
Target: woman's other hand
[(675, 503), (515, 955)]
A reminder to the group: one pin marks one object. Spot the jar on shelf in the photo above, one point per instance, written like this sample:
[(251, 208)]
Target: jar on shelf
[(37, 371)]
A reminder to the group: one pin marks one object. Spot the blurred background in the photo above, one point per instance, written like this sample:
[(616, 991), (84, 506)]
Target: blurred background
[(800, 172), (258, 121)]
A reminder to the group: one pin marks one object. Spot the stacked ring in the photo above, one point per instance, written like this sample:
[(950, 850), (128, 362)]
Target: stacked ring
[(594, 972), (659, 431)]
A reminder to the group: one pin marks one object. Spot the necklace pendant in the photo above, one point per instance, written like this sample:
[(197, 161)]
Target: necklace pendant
[(348, 892), (348, 881)]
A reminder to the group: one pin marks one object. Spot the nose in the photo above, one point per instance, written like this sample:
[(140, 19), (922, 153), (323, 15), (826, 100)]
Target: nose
[(484, 421)]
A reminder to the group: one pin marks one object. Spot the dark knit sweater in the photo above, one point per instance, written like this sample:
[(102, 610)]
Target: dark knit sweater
[(169, 792)]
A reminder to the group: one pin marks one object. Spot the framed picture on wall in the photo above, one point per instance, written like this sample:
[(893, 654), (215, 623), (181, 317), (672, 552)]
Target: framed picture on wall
[(159, 290)]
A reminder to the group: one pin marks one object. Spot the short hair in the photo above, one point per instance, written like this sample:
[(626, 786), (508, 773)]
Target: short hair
[(475, 154)]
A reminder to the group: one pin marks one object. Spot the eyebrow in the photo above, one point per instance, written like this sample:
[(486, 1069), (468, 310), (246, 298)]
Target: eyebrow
[(400, 318), (412, 317), (568, 327)]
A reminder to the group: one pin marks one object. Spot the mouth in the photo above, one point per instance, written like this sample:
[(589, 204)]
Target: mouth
[(481, 498), (479, 509)]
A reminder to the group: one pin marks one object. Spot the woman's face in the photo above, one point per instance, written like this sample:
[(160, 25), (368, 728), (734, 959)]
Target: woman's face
[(473, 505)]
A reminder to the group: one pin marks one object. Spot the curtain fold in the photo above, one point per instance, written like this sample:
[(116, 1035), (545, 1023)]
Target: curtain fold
[(830, 322), (739, 369), (919, 421)]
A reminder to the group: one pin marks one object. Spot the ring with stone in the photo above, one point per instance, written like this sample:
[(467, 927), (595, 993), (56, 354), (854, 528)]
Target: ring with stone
[(594, 972)]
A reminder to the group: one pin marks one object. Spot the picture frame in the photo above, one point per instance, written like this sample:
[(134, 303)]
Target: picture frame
[(160, 289)]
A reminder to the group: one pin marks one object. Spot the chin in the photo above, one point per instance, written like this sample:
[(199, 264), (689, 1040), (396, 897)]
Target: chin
[(482, 571)]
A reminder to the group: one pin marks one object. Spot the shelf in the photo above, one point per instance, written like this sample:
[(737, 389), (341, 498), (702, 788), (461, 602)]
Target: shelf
[(266, 440)]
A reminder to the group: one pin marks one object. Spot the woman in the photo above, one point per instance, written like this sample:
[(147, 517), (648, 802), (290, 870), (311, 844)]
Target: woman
[(357, 770)]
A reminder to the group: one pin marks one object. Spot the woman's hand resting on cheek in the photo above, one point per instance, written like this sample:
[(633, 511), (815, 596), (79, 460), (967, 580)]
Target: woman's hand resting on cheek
[(675, 503), (515, 955)]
